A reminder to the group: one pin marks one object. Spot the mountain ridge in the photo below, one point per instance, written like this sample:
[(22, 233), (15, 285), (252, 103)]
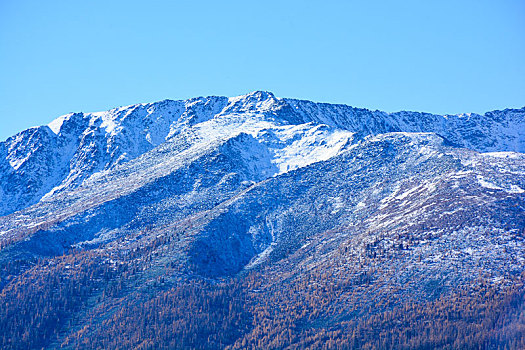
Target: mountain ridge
[(79, 145), (258, 222)]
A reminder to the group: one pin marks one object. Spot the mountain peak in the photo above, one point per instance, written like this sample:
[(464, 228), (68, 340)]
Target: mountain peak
[(256, 100), (82, 144), (260, 95)]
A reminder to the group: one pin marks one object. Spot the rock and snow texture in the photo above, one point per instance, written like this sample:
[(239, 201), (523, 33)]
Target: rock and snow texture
[(245, 181), (280, 135)]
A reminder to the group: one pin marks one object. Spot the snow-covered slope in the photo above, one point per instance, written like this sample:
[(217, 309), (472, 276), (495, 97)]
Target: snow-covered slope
[(42, 161), (493, 131), (231, 208)]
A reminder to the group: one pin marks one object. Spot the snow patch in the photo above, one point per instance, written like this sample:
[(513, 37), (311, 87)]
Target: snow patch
[(261, 257), (511, 155), (487, 184), (56, 124), (515, 189), (360, 205)]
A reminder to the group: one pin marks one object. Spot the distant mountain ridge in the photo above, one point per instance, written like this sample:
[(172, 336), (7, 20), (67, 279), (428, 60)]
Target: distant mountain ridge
[(73, 147)]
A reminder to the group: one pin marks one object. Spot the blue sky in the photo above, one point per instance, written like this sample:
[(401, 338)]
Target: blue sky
[(443, 56)]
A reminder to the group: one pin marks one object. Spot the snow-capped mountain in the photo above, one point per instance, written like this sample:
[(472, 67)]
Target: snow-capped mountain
[(41, 161), (379, 206)]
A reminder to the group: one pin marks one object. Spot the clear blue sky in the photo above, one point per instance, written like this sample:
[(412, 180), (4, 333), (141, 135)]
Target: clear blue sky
[(442, 56)]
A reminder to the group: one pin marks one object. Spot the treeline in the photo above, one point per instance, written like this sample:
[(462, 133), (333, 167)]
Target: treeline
[(195, 314), (239, 315), (86, 300), (484, 318), (37, 304)]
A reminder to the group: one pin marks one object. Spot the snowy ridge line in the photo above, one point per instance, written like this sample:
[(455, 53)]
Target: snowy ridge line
[(286, 134)]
